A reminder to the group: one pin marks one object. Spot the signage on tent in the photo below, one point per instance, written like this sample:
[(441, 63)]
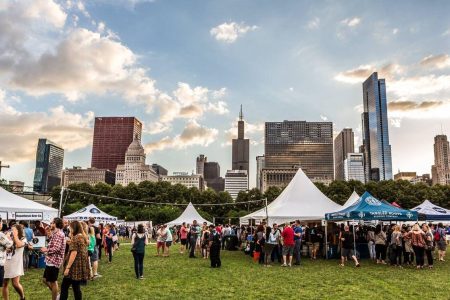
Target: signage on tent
[(29, 216), (372, 201), (440, 210)]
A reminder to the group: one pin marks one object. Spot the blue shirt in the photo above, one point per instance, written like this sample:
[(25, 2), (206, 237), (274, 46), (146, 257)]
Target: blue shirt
[(28, 234), (297, 230)]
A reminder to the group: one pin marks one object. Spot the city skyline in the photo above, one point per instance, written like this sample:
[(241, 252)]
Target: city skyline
[(186, 74)]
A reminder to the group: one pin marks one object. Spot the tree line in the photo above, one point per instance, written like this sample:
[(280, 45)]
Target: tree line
[(403, 192)]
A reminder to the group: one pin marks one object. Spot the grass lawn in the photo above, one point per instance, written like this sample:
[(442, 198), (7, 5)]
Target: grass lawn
[(178, 277)]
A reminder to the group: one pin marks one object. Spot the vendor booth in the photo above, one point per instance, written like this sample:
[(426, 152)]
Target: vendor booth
[(368, 208), (188, 216), (431, 212), (300, 200), (18, 208), (91, 211)]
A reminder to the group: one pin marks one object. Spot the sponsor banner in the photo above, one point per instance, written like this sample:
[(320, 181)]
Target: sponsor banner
[(29, 216)]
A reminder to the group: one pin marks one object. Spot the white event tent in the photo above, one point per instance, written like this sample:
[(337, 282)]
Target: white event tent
[(91, 211), (431, 212), (18, 208), (352, 200), (189, 214), (300, 200)]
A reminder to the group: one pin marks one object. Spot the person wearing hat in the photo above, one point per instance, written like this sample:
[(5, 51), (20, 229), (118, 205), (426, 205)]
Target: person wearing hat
[(214, 247)]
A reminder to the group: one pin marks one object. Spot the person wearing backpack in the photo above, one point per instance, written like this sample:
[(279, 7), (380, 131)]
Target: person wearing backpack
[(138, 241), (214, 247), (441, 241)]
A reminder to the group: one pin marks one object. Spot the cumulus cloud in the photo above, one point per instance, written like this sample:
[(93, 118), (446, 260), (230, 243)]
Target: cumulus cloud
[(409, 87), (412, 105), (362, 72), (20, 131), (314, 23), (351, 22), (436, 61), (193, 134), (81, 62), (191, 103), (230, 32)]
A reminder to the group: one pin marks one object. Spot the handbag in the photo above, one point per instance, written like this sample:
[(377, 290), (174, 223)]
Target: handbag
[(133, 248)]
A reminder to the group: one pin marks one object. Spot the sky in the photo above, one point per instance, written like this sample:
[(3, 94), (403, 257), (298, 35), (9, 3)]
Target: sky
[(183, 68)]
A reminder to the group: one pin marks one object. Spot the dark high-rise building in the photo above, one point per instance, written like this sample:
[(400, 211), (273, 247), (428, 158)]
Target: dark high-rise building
[(377, 150), (211, 170), (160, 170), (300, 144), (112, 136), (343, 144), (241, 148), (49, 164)]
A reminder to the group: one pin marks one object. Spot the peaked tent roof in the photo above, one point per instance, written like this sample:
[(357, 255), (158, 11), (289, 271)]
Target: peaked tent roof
[(189, 215), (352, 200), (430, 212), (370, 208), (300, 200), (11, 203), (91, 211), (396, 204)]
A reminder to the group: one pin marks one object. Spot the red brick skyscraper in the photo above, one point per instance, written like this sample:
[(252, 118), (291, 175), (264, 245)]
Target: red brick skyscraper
[(112, 136)]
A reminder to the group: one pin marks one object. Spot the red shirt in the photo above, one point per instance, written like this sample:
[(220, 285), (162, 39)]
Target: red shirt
[(183, 232), (288, 236)]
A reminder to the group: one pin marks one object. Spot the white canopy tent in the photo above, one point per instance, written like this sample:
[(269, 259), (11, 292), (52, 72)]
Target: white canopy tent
[(189, 214), (18, 208), (300, 200), (91, 211), (352, 200), (431, 212)]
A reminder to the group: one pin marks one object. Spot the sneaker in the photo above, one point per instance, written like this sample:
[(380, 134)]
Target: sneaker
[(141, 278), (290, 265), (284, 265), (358, 265)]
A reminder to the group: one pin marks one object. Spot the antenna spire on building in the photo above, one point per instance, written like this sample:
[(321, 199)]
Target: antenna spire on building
[(241, 115)]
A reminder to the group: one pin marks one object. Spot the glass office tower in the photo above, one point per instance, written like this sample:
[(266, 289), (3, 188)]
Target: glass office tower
[(49, 164), (377, 150)]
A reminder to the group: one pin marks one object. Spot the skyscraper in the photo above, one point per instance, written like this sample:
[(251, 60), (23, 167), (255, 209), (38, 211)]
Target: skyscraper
[(441, 168), (343, 144), (200, 166), (377, 150), (236, 181), (290, 145), (49, 164), (240, 154), (260, 160), (354, 167), (112, 136)]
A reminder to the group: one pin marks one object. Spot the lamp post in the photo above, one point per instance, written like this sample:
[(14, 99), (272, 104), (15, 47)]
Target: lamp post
[(2, 167)]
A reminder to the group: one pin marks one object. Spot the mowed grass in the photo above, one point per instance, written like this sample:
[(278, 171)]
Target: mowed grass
[(179, 277)]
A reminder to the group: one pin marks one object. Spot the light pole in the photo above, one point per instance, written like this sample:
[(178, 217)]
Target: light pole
[(2, 167)]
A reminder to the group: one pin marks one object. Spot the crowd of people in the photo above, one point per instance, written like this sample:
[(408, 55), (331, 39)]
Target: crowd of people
[(73, 249), (391, 244)]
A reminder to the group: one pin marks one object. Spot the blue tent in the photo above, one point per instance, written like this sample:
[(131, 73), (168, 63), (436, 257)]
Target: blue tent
[(431, 212), (368, 208)]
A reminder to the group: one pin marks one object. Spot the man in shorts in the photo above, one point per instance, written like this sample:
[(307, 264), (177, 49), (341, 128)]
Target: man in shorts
[(54, 256), (288, 244), (348, 245), (169, 240), (183, 237), (315, 235), (94, 255)]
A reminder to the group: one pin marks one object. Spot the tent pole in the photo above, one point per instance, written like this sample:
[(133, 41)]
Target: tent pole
[(354, 238), (60, 201), (326, 239), (267, 213)]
